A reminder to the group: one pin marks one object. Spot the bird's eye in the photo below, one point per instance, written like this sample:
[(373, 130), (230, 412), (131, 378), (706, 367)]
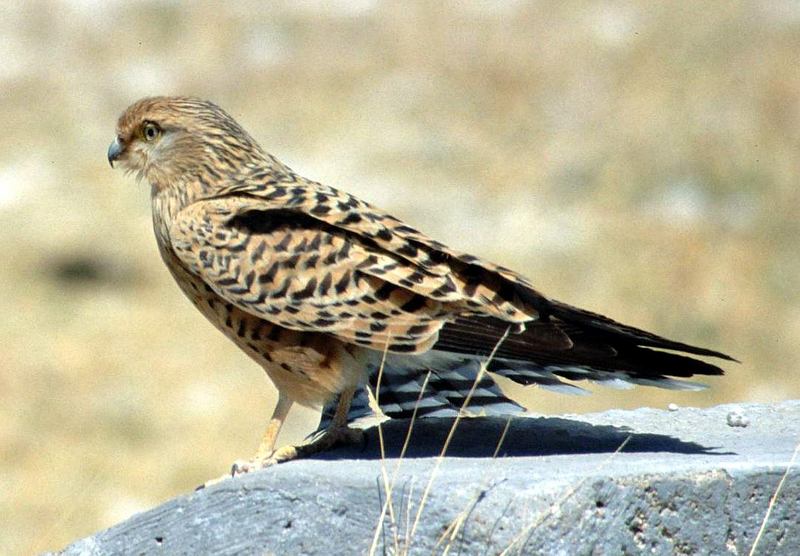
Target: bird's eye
[(150, 131)]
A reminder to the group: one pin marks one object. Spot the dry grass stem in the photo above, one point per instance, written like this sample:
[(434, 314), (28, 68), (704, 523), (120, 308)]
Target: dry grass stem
[(452, 431), (389, 484), (528, 530), (773, 500), (461, 519)]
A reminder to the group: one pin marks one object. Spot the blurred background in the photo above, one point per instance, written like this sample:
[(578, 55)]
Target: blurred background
[(634, 158)]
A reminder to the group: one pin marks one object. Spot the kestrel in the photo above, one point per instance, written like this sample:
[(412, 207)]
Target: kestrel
[(321, 288)]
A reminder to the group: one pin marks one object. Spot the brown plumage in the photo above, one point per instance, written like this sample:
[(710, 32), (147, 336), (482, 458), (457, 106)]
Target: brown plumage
[(315, 284)]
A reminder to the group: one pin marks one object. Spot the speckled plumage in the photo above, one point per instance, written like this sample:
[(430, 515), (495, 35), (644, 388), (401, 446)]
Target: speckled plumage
[(315, 284)]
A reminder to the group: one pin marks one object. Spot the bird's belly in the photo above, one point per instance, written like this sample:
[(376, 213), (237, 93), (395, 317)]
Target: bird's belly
[(309, 367)]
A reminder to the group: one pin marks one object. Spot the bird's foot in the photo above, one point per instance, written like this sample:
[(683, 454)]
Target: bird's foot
[(281, 455), (332, 437)]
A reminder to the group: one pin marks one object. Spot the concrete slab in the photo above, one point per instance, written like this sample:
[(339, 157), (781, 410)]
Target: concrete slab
[(688, 481)]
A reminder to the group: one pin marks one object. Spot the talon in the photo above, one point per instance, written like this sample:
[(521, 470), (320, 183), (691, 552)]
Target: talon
[(241, 466), (238, 467), (330, 439)]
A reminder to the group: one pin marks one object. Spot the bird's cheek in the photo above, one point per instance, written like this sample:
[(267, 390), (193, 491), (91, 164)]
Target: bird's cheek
[(135, 159)]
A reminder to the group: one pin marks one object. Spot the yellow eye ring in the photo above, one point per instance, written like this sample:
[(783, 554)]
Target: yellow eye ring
[(150, 131)]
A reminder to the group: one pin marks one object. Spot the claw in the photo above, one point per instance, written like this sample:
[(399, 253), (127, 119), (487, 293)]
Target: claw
[(240, 467), (288, 453)]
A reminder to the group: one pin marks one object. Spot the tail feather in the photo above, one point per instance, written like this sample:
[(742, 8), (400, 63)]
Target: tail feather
[(601, 323), (449, 381), (594, 342), (567, 345)]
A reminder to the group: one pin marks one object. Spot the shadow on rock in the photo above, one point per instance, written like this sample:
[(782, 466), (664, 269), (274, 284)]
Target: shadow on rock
[(478, 438)]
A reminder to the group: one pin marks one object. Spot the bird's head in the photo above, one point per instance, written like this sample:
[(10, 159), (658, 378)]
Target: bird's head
[(171, 140)]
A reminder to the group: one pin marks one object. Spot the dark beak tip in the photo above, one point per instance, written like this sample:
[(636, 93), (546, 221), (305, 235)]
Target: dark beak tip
[(114, 150)]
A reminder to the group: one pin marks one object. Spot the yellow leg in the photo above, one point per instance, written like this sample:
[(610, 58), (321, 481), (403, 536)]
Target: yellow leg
[(267, 446), (336, 433), (266, 449)]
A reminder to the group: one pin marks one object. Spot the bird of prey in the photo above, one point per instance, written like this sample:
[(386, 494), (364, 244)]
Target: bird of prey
[(322, 289)]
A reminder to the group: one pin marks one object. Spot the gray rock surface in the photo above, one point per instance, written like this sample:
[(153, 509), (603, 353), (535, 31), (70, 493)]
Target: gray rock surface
[(689, 481)]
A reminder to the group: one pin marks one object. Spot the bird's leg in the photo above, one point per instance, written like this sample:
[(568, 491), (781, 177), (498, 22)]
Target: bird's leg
[(267, 446), (336, 433), (266, 450)]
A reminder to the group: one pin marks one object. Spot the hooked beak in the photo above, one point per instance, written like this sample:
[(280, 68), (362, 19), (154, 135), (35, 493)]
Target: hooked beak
[(114, 150)]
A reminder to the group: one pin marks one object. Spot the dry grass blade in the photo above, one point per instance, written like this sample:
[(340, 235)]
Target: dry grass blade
[(773, 500), (374, 397), (389, 485), (461, 519), (528, 530), (407, 539), (497, 521), (502, 437), (452, 431), (374, 401)]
